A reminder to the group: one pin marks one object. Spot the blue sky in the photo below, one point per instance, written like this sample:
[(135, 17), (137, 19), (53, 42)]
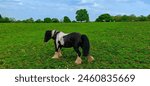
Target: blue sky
[(23, 9)]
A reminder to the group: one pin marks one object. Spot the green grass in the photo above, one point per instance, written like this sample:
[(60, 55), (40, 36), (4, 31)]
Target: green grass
[(113, 45)]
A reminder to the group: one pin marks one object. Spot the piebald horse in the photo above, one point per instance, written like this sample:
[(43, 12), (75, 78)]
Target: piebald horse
[(74, 40)]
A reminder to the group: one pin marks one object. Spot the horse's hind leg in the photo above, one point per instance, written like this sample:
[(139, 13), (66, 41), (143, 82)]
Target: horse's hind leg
[(78, 60), (90, 58)]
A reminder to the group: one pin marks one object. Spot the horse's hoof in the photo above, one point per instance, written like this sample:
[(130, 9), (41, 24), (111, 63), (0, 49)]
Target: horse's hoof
[(55, 57), (78, 61), (90, 58), (60, 55)]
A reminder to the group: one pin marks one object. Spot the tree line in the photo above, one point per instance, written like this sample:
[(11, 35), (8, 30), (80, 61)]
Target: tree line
[(121, 18), (81, 16)]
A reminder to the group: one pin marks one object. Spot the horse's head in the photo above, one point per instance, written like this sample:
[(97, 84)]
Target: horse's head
[(48, 35)]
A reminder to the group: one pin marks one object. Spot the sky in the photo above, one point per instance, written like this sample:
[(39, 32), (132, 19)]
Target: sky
[(39, 9)]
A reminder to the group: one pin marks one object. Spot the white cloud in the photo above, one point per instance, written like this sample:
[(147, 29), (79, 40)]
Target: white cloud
[(95, 5)]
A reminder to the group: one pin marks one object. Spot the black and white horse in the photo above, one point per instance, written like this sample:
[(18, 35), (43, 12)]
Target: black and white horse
[(74, 40)]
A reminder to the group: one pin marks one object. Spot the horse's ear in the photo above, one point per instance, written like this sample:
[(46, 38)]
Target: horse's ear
[(47, 35)]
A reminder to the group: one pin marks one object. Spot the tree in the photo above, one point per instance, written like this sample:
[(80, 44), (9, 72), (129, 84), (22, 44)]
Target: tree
[(125, 18), (132, 18), (1, 19), (66, 19), (5, 20), (12, 20), (148, 17), (30, 20), (142, 18), (117, 18), (104, 18), (0, 16), (82, 15), (55, 20), (18, 21), (73, 21), (39, 21), (47, 20)]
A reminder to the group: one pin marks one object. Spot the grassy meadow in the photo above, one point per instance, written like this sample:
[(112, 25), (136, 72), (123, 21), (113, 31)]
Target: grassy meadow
[(113, 45)]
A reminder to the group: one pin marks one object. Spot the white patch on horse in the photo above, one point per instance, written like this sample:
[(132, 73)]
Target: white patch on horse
[(60, 38), (53, 31)]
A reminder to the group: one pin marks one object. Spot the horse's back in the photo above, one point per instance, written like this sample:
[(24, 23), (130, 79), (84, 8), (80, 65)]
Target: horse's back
[(73, 36), (71, 39)]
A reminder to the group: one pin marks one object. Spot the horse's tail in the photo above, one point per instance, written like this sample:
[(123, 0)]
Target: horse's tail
[(85, 45)]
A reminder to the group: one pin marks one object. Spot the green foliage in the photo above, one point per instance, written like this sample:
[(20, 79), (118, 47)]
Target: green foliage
[(12, 19), (132, 18), (113, 45), (121, 18), (148, 17), (73, 21), (82, 15), (125, 18), (104, 18), (66, 19), (5, 19), (117, 18), (0, 16), (39, 21), (30, 20), (142, 18), (55, 20), (47, 20)]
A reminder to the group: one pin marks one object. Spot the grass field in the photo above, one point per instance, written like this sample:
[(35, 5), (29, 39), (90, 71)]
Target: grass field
[(113, 45)]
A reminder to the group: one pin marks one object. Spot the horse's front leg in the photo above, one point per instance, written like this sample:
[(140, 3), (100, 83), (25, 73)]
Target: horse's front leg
[(57, 51), (56, 56)]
